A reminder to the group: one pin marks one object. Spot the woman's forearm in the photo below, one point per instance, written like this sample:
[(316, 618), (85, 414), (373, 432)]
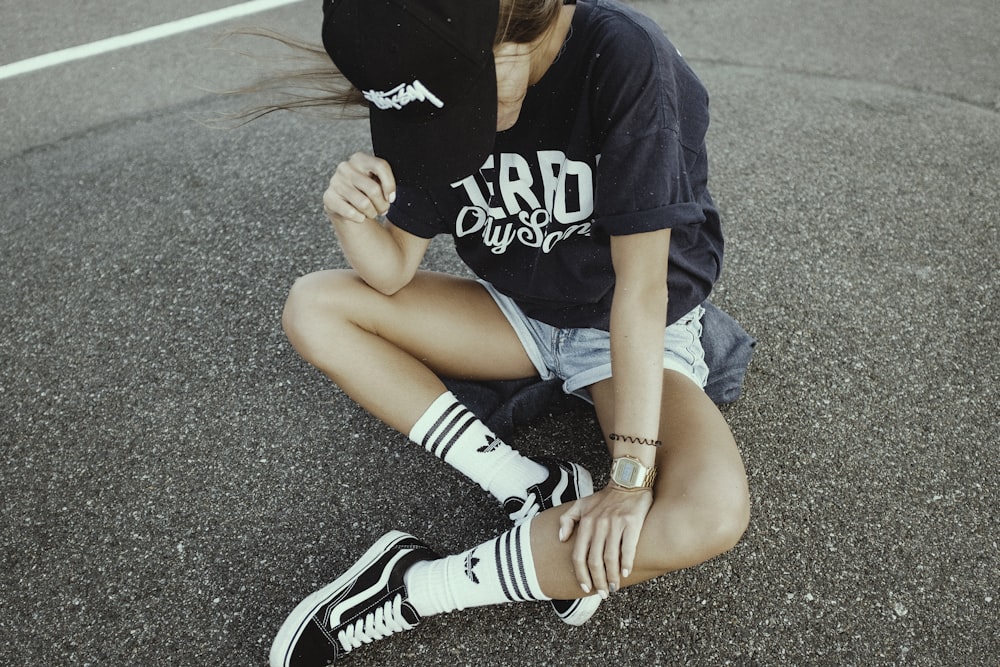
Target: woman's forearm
[(638, 319), (383, 255), (356, 201)]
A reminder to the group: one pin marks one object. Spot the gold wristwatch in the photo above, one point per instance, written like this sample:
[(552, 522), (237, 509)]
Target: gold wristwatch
[(629, 473)]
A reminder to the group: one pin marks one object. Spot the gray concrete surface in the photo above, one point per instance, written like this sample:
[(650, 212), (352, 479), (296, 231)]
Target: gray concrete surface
[(173, 479)]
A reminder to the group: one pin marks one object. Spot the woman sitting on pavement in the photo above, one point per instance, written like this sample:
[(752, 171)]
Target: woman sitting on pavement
[(562, 145)]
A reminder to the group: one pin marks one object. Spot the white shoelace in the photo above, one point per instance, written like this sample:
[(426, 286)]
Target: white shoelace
[(529, 509), (382, 622)]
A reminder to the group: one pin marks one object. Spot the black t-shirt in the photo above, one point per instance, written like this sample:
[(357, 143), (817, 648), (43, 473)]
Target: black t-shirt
[(610, 142)]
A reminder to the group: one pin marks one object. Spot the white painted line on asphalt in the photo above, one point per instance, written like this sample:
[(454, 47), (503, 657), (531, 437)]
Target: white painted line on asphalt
[(139, 37)]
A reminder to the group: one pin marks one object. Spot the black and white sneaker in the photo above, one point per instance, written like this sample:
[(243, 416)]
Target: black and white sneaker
[(576, 612), (366, 603), (566, 482)]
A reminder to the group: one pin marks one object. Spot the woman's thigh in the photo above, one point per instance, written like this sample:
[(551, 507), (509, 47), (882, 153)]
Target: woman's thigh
[(450, 324), (701, 502)]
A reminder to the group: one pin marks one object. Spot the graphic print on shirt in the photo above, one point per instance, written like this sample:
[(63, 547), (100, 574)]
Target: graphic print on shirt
[(535, 202)]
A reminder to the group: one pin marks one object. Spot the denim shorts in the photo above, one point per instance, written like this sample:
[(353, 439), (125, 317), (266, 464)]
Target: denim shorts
[(582, 357)]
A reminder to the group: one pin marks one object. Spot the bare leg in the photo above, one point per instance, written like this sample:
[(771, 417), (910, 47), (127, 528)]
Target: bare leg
[(385, 351), (701, 502)]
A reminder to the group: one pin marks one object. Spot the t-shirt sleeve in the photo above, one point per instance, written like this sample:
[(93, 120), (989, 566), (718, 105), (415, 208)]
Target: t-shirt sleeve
[(652, 170), (414, 211)]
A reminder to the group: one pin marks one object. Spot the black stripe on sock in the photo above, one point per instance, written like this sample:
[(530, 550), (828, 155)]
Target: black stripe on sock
[(451, 443), (512, 578), (529, 594), (433, 433), (444, 435), (498, 555)]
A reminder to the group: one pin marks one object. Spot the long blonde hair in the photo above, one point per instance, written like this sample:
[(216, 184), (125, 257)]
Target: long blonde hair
[(315, 84)]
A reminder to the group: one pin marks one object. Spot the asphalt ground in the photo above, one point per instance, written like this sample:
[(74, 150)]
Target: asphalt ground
[(173, 479)]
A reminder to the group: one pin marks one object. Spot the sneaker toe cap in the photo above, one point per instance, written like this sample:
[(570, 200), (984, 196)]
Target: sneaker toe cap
[(312, 648)]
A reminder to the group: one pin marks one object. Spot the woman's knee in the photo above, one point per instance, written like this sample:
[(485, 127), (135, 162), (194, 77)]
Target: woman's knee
[(316, 302), (697, 527), (728, 516)]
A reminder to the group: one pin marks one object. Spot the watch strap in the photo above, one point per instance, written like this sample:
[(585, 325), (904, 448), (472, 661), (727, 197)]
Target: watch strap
[(641, 477)]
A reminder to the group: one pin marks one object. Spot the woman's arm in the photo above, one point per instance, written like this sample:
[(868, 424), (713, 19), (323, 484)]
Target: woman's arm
[(385, 256), (610, 521), (638, 319)]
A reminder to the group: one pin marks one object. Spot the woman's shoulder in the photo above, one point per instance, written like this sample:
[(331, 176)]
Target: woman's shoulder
[(633, 69), (624, 46), (619, 25)]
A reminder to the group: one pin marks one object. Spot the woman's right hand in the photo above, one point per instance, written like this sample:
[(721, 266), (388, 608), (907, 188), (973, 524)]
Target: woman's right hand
[(361, 188)]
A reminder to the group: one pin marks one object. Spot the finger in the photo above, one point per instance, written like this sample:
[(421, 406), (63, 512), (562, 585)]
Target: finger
[(381, 172), (612, 559), (371, 188), (595, 559), (580, 552), (363, 195), (356, 184), (567, 523), (348, 195), (336, 199), (630, 544), (337, 207)]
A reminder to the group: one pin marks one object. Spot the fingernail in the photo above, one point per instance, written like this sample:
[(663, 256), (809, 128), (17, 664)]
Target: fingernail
[(603, 594), (392, 197), (586, 588), (625, 573), (562, 534), (614, 588)]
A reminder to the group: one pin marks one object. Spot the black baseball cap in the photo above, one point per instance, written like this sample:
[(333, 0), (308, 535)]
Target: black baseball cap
[(426, 68)]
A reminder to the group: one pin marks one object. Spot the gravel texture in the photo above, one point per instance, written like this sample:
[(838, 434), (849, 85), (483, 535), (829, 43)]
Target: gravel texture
[(174, 479)]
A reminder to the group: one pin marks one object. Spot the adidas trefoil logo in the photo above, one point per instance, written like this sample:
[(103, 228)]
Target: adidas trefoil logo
[(470, 567), (490, 446)]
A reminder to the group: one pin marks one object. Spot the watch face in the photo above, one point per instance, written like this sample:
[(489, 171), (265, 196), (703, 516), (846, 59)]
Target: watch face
[(628, 471)]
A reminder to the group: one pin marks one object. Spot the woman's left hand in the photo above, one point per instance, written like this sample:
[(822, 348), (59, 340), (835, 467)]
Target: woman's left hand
[(607, 526)]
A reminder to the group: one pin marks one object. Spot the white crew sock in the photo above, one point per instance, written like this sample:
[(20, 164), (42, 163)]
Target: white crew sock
[(500, 570), (452, 433)]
